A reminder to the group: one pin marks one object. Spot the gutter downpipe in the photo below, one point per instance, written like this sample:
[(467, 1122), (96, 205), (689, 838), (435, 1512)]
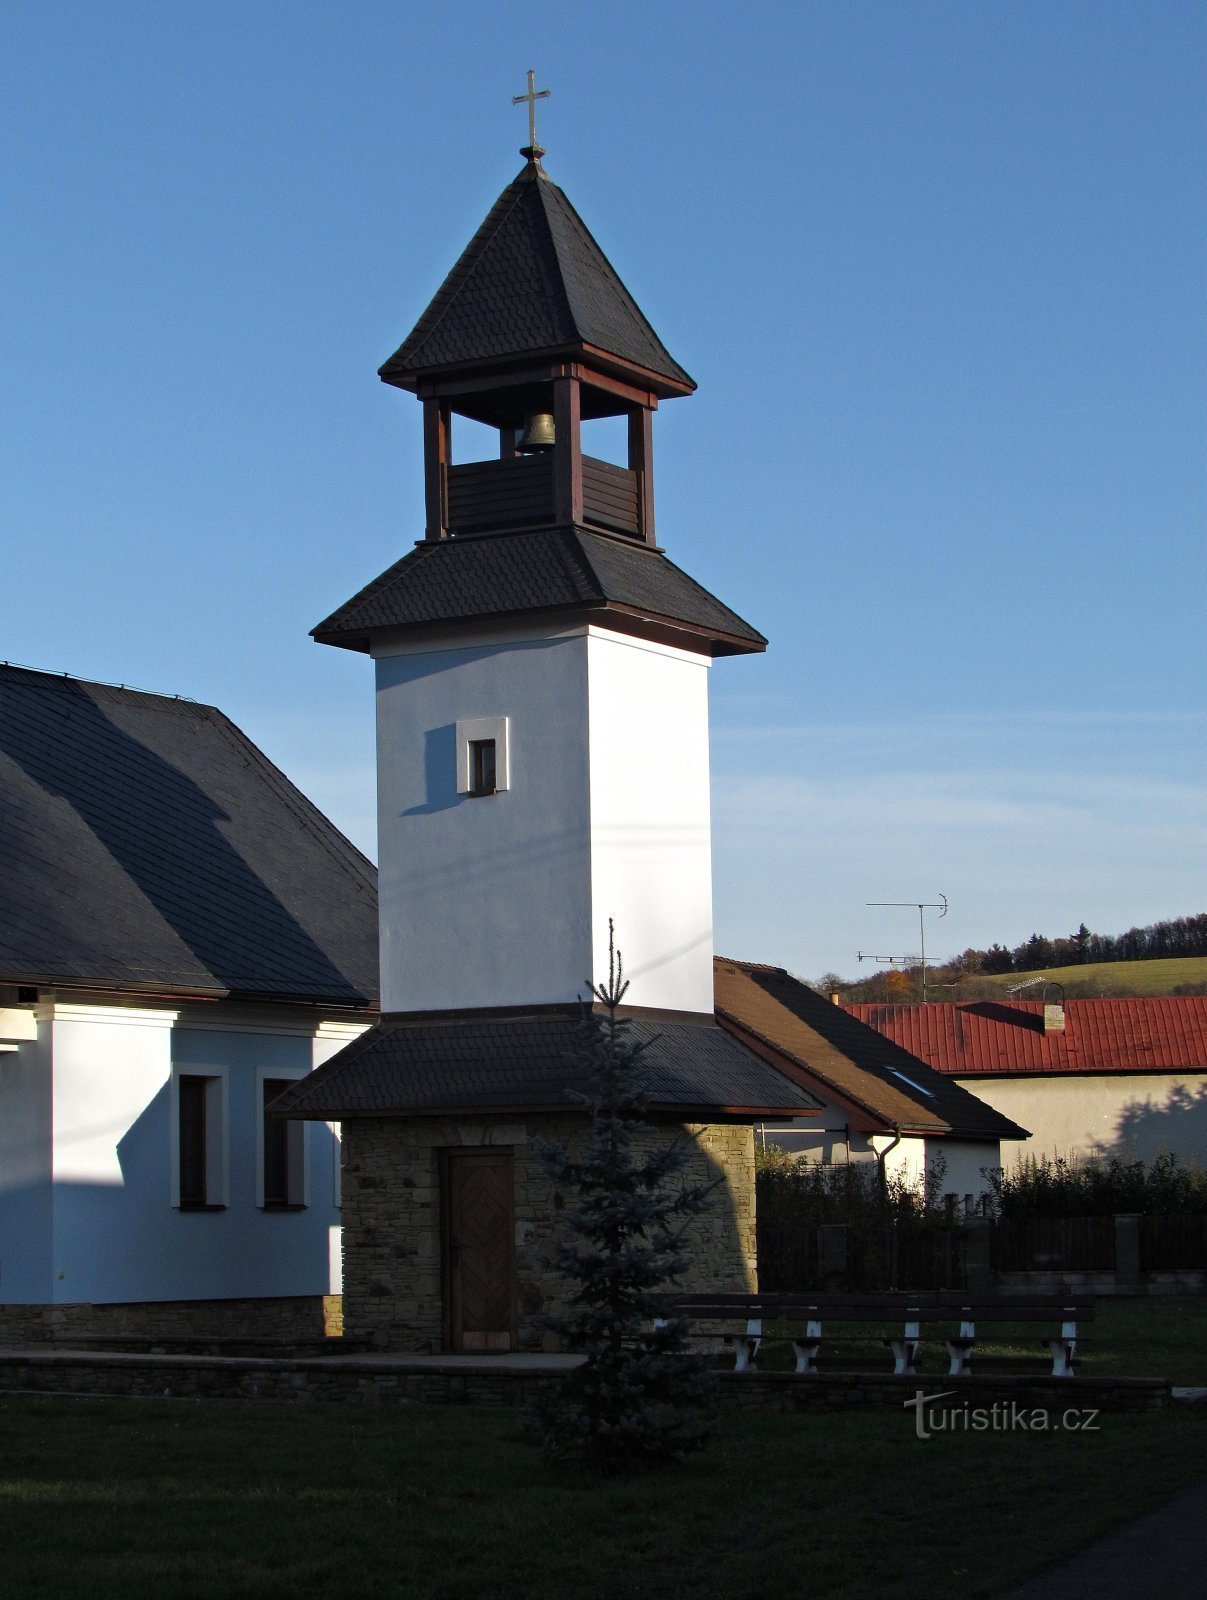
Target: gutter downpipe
[(880, 1155)]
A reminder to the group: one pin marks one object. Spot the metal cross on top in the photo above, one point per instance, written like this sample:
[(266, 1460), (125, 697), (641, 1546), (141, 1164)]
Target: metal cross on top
[(534, 94)]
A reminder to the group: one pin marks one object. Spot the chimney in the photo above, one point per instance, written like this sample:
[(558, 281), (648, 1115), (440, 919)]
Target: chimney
[(1054, 1019)]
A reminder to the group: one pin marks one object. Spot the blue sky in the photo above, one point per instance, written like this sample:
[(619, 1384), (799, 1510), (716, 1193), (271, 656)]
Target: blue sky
[(937, 269)]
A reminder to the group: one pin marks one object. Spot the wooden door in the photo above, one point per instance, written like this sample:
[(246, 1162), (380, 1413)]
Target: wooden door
[(479, 1249)]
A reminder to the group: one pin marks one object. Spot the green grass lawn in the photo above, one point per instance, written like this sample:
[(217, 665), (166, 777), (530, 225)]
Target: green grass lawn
[(207, 1500), (1106, 978), (176, 1500)]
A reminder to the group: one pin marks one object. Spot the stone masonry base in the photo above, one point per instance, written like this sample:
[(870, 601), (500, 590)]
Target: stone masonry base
[(393, 1287), (296, 1319)]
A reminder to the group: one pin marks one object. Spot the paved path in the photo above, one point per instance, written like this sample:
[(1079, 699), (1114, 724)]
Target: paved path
[(1160, 1556)]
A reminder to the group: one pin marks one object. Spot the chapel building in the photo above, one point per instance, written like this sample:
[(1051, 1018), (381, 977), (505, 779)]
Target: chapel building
[(542, 672)]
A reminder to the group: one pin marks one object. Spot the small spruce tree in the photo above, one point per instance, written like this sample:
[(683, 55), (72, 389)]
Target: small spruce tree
[(639, 1396)]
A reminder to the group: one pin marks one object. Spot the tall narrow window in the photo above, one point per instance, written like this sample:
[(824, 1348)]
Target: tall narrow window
[(200, 1141), (191, 1104), (282, 1151), (483, 767)]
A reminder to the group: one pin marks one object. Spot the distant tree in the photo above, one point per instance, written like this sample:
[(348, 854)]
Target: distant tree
[(830, 983), (997, 959), (1035, 954), (1081, 942), (639, 1396)]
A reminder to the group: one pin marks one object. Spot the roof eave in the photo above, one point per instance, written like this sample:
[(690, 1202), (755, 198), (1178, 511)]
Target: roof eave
[(630, 620), (167, 990), (412, 378), (689, 1112)]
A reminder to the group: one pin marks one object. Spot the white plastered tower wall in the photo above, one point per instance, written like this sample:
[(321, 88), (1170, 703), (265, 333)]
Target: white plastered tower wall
[(504, 900), (651, 830)]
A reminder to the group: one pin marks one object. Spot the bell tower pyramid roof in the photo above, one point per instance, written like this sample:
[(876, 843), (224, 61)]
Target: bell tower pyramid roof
[(531, 281)]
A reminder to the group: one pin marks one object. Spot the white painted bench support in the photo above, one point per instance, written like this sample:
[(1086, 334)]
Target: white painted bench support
[(960, 1350), (905, 1349), (807, 1348), (1063, 1350), (746, 1346)]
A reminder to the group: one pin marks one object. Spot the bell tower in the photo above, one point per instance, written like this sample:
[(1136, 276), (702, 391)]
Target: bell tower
[(541, 665)]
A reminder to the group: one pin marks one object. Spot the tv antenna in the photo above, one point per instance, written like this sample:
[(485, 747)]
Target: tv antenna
[(921, 907)]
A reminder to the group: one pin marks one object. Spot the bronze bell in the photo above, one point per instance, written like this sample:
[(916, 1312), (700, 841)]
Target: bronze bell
[(538, 434)]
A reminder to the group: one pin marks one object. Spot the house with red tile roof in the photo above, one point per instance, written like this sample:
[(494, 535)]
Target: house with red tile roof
[(1123, 1078)]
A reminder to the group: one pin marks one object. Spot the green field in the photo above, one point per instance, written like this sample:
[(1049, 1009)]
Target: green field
[(1108, 978)]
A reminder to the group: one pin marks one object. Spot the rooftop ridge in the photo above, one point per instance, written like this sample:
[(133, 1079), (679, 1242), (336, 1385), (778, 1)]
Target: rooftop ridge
[(101, 683)]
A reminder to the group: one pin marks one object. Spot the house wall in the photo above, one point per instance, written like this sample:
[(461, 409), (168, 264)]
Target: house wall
[(505, 900), (88, 1132), (392, 1254), (826, 1138), (964, 1164), (1136, 1117)]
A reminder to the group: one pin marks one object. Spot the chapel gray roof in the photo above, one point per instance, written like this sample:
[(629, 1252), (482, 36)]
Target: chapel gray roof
[(496, 577), (531, 279), (525, 1062), (147, 844)]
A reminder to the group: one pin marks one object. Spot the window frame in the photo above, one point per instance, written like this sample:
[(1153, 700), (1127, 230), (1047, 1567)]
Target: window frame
[(478, 731)]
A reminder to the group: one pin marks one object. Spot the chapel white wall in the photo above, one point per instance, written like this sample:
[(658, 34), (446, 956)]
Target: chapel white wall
[(87, 1131), (26, 1215)]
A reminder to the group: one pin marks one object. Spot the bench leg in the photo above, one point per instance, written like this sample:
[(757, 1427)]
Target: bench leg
[(960, 1361), (905, 1352), (745, 1351), (1063, 1350), (806, 1354)]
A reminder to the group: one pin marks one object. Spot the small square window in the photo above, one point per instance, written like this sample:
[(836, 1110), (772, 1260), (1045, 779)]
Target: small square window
[(482, 766)]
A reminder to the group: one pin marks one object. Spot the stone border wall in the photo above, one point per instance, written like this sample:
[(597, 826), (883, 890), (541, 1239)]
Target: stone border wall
[(297, 1319), (476, 1383)]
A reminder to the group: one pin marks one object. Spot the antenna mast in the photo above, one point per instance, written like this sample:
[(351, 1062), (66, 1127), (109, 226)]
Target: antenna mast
[(921, 907)]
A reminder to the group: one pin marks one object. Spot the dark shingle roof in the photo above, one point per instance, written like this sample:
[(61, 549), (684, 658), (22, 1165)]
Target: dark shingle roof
[(841, 1053), (146, 843), (517, 1062), (532, 278), (511, 575)]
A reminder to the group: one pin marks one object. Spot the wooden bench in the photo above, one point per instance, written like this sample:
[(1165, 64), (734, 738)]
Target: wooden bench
[(1062, 1346), (911, 1311)]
